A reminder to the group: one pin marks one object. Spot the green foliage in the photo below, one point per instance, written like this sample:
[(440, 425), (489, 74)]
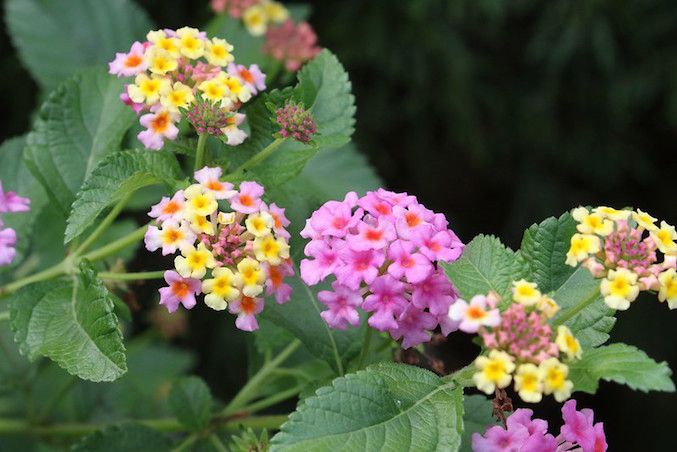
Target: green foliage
[(477, 417), (622, 364), (485, 265), (191, 402), (118, 175), (54, 40), (391, 406), (82, 121), (249, 441), (72, 323), (128, 437)]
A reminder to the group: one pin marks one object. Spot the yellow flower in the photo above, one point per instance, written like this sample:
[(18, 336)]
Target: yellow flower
[(665, 238), (236, 90), (259, 224), (547, 306), (529, 383), (190, 43), (611, 213), (222, 288), (146, 89), (275, 11), (592, 223), (161, 41), (252, 276), (200, 224), (226, 218), (255, 19), (160, 62), (177, 97), (668, 287), (194, 262), (555, 379), (644, 220), (217, 52), (271, 250), (525, 292), (494, 371), (582, 245), (619, 288), (215, 91), (198, 201), (567, 343)]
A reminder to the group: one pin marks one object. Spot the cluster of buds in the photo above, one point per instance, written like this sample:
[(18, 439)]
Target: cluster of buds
[(520, 343), (9, 202), (179, 70), (383, 249), (621, 247), (233, 256), (295, 122), (578, 433)]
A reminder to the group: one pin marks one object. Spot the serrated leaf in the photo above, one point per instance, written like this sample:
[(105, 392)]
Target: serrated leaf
[(583, 309), (485, 265), (543, 250), (191, 402), (118, 175), (71, 323), (620, 363), (81, 122), (477, 417), (385, 407), (124, 437), (54, 41)]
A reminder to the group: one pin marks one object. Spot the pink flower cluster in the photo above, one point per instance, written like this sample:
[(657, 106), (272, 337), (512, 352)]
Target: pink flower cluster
[(9, 202), (296, 122), (383, 249), (292, 44), (526, 434), (234, 8)]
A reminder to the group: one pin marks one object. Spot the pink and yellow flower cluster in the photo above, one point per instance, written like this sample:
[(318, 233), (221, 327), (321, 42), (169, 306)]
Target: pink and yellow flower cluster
[(9, 202), (623, 248), (233, 255), (179, 70), (521, 345), (384, 249)]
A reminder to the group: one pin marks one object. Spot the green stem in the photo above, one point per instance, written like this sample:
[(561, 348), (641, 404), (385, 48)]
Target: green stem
[(248, 392), (260, 156), (117, 245), (48, 273), (54, 401), (104, 224), (200, 152), (365, 347), (186, 443), (113, 276), (4, 315), (216, 442), (272, 400)]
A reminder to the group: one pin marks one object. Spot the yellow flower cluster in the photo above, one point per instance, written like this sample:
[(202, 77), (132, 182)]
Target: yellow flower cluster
[(257, 17)]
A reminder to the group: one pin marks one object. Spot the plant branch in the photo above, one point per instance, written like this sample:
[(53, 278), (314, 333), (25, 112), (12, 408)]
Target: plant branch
[(365, 347), (272, 400), (104, 224), (200, 152), (132, 276), (117, 245), (260, 156)]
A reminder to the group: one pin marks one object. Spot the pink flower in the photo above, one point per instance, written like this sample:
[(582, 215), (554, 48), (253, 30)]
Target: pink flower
[(235, 8), (280, 221), (246, 309), (128, 64), (498, 439), (479, 312), (11, 202), (291, 44), (324, 262), (578, 428), (180, 290), (171, 237), (159, 125), (334, 218), (414, 267), (386, 302), (359, 266), (435, 293), (275, 281), (209, 179), (414, 327), (253, 78), (7, 243), (372, 235), (137, 107), (248, 199), (412, 219), (168, 209), (341, 303), (438, 245)]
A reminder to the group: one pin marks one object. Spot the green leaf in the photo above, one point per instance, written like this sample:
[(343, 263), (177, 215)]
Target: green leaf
[(128, 436), (118, 175), (544, 248), (485, 265), (82, 121), (191, 402), (583, 309), (622, 364), (385, 407), (477, 417), (55, 40), (71, 323)]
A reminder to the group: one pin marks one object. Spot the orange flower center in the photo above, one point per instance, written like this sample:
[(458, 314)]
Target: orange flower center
[(374, 235), (412, 219), (180, 289), (171, 208), (133, 60), (214, 185), (275, 276), (247, 305), (160, 123), (246, 200), (475, 313), (246, 75)]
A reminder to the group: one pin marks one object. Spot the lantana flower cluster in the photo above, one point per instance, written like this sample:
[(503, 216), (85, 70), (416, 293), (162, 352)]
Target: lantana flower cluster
[(522, 433), (183, 70), (521, 345), (232, 247), (623, 248), (9, 202), (383, 249)]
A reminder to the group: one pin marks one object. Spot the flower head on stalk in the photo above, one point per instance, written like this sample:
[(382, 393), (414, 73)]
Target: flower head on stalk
[(388, 271), (295, 122), (291, 44), (234, 255), (10, 202), (623, 249), (183, 71)]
